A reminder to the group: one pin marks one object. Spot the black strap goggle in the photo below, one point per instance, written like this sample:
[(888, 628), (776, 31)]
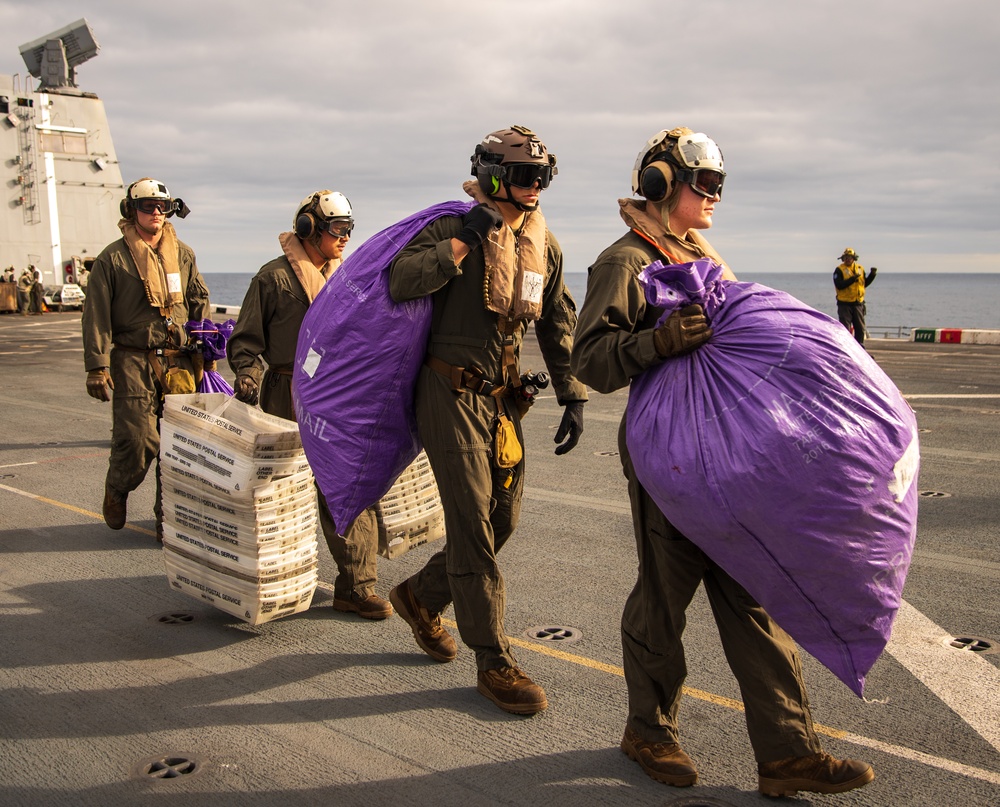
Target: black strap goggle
[(522, 175), (339, 228), (154, 205), (151, 204), (527, 175)]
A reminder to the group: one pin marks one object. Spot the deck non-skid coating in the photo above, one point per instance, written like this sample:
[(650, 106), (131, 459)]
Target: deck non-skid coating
[(102, 671)]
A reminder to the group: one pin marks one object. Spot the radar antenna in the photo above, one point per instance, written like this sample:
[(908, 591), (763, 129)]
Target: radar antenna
[(54, 58)]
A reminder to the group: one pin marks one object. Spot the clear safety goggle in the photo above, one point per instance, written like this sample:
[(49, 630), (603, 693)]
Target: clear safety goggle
[(151, 206), (339, 228), (527, 175)]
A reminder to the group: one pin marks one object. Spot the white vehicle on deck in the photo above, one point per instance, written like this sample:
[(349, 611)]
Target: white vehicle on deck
[(60, 298)]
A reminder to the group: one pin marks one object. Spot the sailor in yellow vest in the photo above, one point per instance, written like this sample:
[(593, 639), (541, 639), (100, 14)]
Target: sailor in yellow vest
[(850, 280)]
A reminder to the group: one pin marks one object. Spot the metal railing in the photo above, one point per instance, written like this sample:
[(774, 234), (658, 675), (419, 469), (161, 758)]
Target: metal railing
[(888, 331)]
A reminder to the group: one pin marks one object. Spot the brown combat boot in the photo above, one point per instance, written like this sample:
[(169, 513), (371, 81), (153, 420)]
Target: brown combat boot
[(115, 508), (434, 640), (816, 773), (664, 762), (370, 607), (512, 691)]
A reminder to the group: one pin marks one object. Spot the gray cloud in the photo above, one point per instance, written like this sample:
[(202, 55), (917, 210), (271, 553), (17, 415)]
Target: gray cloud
[(872, 124)]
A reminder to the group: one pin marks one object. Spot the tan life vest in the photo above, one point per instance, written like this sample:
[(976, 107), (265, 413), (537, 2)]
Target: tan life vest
[(516, 265), (158, 268), (311, 277), (648, 225)]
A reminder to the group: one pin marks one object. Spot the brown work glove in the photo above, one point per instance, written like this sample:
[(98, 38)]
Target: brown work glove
[(682, 332), (246, 390), (99, 383)]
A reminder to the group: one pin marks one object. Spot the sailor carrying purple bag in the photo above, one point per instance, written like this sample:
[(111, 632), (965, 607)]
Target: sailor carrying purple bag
[(356, 365), (788, 456)]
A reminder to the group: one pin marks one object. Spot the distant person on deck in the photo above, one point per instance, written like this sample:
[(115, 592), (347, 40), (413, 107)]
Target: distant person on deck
[(850, 280), (37, 294), (24, 284)]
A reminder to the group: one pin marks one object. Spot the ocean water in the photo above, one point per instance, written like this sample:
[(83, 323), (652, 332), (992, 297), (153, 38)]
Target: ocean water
[(897, 302)]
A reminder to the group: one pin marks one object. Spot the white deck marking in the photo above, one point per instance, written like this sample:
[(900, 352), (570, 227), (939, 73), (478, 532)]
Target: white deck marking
[(952, 395), (963, 681)]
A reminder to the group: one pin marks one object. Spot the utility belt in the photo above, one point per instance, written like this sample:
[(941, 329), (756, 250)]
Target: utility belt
[(522, 389), (277, 375), (166, 364), (465, 378), (507, 451)]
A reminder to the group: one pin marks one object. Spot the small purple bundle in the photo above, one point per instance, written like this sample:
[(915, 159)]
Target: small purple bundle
[(212, 339)]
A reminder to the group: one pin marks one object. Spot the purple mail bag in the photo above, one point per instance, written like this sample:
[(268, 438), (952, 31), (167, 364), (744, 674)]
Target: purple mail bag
[(784, 452), (356, 365), (212, 339)]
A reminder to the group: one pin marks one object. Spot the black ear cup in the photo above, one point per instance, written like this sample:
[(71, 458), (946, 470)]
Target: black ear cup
[(655, 180), (123, 205), (305, 225)]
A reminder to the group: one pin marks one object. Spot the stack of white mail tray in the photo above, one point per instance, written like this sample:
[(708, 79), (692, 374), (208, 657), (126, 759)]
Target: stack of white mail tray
[(239, 507)]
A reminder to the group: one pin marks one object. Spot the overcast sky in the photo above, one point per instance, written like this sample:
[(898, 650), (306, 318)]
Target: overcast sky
[(871, 124)]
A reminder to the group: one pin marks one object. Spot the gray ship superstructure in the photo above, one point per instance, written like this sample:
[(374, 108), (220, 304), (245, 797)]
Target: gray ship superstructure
[(60, 173)]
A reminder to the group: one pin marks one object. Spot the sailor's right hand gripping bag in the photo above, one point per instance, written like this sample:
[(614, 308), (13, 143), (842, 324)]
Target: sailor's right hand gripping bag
[(788, 456)]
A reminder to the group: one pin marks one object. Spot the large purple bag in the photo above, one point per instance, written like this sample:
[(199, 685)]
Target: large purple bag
[(356, 365), (787, 455)]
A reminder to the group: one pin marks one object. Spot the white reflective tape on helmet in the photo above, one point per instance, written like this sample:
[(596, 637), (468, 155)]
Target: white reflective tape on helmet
[(698, 150), (333, 205), (148, 189), (325, 205)]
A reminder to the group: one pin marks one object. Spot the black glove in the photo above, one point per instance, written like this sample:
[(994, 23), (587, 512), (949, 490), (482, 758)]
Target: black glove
[(246, 390), (477, 224), (571, 427), (98, 384), (874, 271), (682, 332)]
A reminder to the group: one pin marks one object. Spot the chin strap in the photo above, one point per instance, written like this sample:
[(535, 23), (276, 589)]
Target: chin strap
[(518, 205)]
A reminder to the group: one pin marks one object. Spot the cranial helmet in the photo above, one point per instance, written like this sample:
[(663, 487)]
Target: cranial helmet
[(513, 156), (849, 253), (147, 188), (319, 210), (689, 158)]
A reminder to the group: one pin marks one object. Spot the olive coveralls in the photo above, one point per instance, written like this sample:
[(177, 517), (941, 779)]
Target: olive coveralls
[(481, 501), (613, 344), (120, 327), (24, 284), (267, 331)]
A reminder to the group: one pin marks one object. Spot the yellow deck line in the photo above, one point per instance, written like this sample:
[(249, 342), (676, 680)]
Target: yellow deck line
[(719, 700)]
